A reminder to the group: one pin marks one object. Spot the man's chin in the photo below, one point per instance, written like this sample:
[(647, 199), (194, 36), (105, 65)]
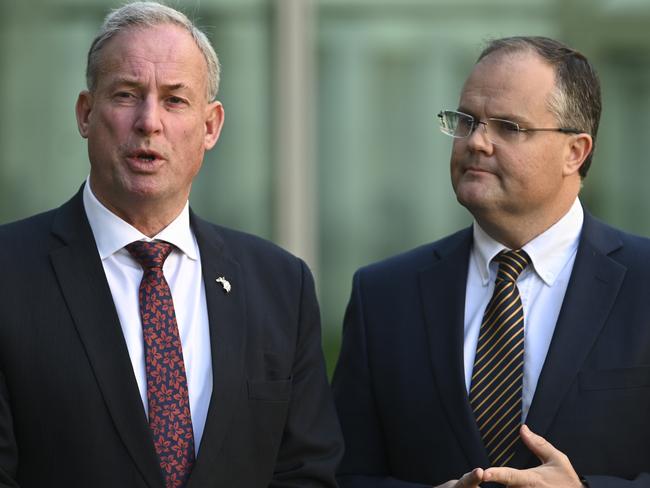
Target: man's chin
[(473, 196)]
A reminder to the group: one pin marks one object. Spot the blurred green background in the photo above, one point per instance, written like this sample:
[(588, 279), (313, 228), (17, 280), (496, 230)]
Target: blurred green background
[(330, 146)]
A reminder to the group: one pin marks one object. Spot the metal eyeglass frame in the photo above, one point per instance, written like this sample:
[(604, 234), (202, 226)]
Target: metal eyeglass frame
[(515, 126)]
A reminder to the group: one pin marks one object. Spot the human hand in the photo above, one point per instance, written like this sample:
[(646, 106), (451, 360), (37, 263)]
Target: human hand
[(555, 471), (468, 480)]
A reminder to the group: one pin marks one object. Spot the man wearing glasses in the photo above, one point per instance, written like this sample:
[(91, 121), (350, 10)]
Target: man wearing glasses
[(516, 351)]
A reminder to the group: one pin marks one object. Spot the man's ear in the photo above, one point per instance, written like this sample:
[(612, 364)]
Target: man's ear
[(83, 108), (578, 148), (214, 116)]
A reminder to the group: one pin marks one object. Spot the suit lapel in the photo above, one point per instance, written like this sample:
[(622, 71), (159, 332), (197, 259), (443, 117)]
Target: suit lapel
[(443, 287), (227, 317), (591, 293), (83, 283)]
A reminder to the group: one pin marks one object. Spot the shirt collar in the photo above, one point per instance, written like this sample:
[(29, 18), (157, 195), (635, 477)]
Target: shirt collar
[(549, 252), (112, 233)]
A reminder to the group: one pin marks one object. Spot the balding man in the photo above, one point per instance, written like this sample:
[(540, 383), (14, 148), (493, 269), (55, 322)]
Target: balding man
[(537, 314)]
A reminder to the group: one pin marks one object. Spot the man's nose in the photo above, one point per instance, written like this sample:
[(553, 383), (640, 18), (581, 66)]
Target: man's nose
[(478, 140), (148, 120)]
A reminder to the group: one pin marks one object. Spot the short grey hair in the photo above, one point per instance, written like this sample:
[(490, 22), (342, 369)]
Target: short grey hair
[(150, 14), (576, 100)]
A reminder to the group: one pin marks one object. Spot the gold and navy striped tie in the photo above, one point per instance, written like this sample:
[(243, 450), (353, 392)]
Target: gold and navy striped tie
[(495, 392)]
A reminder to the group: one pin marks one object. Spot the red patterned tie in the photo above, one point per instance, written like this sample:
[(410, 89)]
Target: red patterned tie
[(169, 409)]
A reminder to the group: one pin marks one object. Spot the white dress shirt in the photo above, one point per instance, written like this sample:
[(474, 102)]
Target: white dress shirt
[(542, 286), (182, 270)]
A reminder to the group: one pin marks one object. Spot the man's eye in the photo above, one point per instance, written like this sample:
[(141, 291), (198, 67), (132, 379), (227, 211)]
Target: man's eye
[(505, 126), (175, 101), (465, 123), (123, 97)]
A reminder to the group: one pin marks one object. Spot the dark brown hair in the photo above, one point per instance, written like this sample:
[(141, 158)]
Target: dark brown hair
[(576, 99)]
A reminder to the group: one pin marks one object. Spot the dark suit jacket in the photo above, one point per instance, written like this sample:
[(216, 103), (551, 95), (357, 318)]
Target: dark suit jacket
[(399, 384), (70, 411)]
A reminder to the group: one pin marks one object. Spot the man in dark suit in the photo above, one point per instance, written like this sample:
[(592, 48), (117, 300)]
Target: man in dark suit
[(516, 351), (105, 380)]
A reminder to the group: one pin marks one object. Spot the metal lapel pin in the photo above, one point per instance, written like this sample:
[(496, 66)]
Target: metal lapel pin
[(224, 283)]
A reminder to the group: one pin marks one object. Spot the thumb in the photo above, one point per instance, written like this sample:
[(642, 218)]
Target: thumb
[(471, 479), (539, 446)]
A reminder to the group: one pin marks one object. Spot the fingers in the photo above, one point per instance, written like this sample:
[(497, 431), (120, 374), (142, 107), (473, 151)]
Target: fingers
[(471, 479), (468, 480), (555, 470), (539, 446), (506, 476)]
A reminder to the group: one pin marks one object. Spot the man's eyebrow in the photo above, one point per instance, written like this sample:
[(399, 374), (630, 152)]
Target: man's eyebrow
[(509, 116), (497, 115), (134, 83), (125, 82), (466, 111), (175, 86)]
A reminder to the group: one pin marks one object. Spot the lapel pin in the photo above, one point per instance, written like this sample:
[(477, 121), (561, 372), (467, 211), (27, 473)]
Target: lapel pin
[(224, 283)]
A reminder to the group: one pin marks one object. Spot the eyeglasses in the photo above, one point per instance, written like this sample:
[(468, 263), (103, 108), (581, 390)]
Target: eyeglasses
[(498, 131)]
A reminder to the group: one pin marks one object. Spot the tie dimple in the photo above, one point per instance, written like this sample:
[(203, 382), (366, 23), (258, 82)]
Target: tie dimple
[(150, 254)]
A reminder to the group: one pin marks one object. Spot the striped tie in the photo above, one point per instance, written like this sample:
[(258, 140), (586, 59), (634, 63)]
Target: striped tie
[(495, 393)]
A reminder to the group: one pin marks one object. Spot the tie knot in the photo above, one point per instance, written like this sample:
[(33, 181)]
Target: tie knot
[(511, 264), (150, 254)]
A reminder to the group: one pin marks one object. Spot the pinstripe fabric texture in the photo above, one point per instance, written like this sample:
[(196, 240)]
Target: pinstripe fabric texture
[(496, 386)]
